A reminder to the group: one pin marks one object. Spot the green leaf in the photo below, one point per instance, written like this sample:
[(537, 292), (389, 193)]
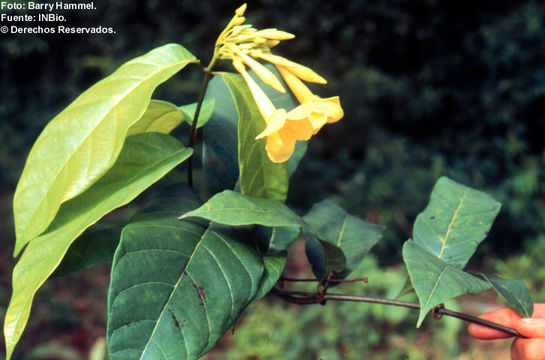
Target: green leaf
[(274, 266), (95, 246), (323, 256), (514, 292), (455, 221), (82, 142), (298, 154), (235, 209), (434, 280), (160, 116), (175, 298), (258, 175), (145, 158), (355, 237), (207, 109), (220, 141), (276, 239)]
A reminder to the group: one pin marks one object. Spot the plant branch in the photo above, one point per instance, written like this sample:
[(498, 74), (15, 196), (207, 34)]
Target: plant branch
[(193, 132), (306, 298), (363, 279)]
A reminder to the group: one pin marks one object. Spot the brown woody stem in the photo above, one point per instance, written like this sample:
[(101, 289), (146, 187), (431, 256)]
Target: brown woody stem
[(307, 298)]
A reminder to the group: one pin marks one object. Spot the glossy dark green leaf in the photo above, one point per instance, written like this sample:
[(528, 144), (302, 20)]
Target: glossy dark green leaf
[(455, 221), (298, 154), (355, 237), (434, 280), (514, 292), (145, 158), (220, 145), (324, 257), (258, 175), (273, 267), (220, 141), (83, 141), (160, 116), (175, 298), (207, 109), (95, 246), (235, 209), (276, 239)]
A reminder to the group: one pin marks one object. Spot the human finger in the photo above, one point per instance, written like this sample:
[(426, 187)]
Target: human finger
[(531, 327), (504, 316), (528, 349), (539, 311)]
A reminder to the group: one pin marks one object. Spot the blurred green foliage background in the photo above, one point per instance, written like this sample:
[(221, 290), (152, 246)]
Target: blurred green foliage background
[(429, 88)]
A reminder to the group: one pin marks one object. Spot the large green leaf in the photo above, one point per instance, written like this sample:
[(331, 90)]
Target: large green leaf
[(220, 141), (514, 292), (298, 154), (235, 209), (95, 246), (176, 288), (258, 175), (82, 142), (274, 266), (455, 221), (434, 280), (207, 109), (160, 116), (352, 235), (145, 158), (277, 239)]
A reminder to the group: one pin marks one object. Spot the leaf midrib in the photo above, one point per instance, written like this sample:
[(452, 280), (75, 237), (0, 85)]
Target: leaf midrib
[(449, 229), (432, 292), (339, 240)]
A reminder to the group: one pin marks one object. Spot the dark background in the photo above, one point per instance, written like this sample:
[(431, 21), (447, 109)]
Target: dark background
[(429, 88)]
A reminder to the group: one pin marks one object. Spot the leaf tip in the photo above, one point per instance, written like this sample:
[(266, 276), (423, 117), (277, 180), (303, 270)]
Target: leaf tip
[(421, 318)]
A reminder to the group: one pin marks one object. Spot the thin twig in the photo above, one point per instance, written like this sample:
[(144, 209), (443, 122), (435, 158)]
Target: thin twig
[(362, 279), (306, 298)]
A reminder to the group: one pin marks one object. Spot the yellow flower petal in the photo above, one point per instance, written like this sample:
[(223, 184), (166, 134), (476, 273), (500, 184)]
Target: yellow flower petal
[(301, 129), (332, 106), (280, 146), (274, 123), (264, 74), (318, 120), (318, 112), (303, 72), (300, 112)]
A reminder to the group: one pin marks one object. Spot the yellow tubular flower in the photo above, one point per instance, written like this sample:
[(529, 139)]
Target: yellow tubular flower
[(317, 110), (281, 132), (241, 10), (264, 74), (245, 45), (299, 70), (274, 34)]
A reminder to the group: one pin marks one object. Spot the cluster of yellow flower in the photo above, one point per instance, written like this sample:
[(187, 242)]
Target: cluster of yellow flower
[(243, 45)]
